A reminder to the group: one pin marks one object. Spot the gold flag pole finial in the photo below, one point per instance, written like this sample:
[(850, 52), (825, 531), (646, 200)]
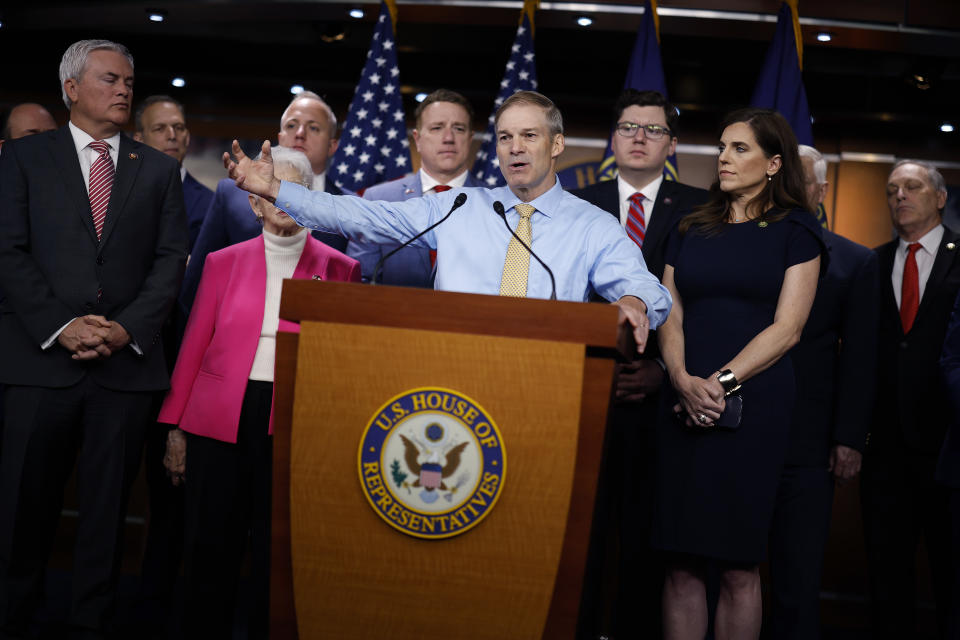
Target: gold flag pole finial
[(392, 8)]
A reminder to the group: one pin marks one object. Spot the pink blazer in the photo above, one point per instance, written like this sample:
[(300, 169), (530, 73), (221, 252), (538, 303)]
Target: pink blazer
[(213, 366)]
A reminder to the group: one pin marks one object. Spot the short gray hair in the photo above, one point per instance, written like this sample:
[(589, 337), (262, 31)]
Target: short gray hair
[(310, 95), (819, 162), (554, 118), (935, 177), (293, 159), (74, 60)]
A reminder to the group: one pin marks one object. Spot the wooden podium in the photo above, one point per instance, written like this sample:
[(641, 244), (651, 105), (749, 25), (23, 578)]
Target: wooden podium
[(541, 370)]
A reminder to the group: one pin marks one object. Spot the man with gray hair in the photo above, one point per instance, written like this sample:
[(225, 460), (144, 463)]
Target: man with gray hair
[(902, 503), (308, 124), (834, 365), (93, 241)]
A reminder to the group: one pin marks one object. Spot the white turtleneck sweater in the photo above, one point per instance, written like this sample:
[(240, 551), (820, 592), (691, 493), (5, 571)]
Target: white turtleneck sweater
[(283, 254)]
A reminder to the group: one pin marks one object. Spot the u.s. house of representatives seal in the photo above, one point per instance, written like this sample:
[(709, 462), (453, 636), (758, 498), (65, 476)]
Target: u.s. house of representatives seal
[(432, 462)]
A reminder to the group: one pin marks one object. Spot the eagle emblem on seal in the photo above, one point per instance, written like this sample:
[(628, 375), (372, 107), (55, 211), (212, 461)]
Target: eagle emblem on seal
[(440, 460)]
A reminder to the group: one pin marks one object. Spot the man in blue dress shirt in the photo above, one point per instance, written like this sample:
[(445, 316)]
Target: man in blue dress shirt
[(586, 247)]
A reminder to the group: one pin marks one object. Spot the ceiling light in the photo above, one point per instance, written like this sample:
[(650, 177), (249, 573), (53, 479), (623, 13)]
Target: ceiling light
[(420, 97), (584, 21), (178, 82), (824, 36), (356, 13), (946, 127), (296, 89), (156, 15)]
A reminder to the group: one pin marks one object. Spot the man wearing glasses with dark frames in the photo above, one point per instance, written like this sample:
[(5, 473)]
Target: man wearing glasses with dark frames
[(643, 137)]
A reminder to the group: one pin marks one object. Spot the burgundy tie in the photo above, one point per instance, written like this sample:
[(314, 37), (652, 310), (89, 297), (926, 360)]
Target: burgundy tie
[(636, 227), (101, 183), (910, 289), (440, 188)]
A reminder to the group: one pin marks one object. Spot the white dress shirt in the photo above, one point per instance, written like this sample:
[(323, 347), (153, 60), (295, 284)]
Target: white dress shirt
[(427, 182), (649, 192), (320, 181), (925, 256)]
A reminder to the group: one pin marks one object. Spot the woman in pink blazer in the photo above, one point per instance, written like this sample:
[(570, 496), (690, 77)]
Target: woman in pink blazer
[(221, 398)]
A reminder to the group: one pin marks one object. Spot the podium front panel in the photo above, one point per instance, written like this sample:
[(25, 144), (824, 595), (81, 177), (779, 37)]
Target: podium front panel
[(355, 575)]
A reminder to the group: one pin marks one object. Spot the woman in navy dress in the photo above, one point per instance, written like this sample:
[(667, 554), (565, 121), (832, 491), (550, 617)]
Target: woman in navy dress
[(743, 272)]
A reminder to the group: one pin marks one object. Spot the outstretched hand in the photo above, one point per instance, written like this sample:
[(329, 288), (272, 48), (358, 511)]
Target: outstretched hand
[(255, 176)]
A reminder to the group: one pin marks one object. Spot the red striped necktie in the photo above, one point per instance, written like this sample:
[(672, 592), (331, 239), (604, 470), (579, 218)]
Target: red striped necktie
[(636, 226), (101, 183)]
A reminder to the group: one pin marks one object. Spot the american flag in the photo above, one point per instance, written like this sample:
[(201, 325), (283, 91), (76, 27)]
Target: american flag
[(374, 146), (521, 75)]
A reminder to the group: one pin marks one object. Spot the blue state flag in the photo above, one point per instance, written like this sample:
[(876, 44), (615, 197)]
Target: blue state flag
[(520, 75), (780, 85), (645, 73), (374, 146)]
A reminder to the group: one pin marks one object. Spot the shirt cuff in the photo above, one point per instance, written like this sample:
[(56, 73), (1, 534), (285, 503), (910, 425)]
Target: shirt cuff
[(49, 341)]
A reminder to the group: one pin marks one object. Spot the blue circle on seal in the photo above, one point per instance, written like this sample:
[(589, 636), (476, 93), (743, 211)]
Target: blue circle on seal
[(431, 462)]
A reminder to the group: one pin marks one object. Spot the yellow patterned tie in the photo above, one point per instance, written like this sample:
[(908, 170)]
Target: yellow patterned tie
[(517, 265)]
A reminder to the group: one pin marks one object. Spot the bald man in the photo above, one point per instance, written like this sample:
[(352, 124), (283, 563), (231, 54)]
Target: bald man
[(25, 120)]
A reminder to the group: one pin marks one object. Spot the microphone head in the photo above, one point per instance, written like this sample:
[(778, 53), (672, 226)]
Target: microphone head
[(459, 200), (498, 207)]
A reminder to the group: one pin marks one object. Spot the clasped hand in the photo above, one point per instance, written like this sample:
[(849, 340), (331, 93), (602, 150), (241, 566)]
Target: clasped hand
[(90, 337), (701, 399)]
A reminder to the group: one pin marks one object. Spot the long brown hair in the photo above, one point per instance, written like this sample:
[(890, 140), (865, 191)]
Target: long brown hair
[(783, 192)]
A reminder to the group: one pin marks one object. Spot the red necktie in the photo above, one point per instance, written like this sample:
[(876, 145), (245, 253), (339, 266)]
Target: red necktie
[(440, 188), (636, 227), (101, 183), (910, 289)]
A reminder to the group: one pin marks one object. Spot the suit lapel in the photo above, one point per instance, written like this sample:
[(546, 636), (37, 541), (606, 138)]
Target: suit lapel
[(942, 264), (64, 154), (661, 218), (888, 302), (128, 166)]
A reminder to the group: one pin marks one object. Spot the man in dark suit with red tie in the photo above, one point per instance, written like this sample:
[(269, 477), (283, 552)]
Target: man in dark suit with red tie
[(648, 206), (920, 277), (93, 242)]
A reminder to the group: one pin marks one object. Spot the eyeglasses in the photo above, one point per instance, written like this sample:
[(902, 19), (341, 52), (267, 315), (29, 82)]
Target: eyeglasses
[(651, 131)]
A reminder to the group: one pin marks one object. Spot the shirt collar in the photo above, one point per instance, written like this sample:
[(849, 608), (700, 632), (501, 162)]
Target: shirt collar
[(81, 139), (320, 181), (649, 190), (428, 182), (930, 241), (546, 204)]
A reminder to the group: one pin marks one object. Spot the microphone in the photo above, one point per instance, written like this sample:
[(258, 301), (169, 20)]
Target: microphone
[(457, 203), (498, 208)]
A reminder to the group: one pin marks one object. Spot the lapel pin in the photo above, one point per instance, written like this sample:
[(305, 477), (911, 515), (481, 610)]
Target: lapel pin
[(407, 191), (762, 224), (668, 201), (951, 246), (317, 276), (132, 156)]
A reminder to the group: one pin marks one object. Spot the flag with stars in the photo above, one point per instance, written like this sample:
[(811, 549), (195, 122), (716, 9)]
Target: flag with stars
[(521, 75), (645, 73), (373, 145)]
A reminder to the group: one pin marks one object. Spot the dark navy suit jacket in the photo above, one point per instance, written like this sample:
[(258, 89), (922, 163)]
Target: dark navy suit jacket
[(911, 398), (230, 220), (197, 199), (948, 469), (835, 360)]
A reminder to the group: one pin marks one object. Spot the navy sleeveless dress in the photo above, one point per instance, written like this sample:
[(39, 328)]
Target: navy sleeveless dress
[(715, 487)]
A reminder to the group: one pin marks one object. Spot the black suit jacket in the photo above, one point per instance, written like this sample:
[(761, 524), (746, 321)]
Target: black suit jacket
[(911, 398), (948, 468), (674, 200), (835, 360), (230, 220), (52, 266)]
